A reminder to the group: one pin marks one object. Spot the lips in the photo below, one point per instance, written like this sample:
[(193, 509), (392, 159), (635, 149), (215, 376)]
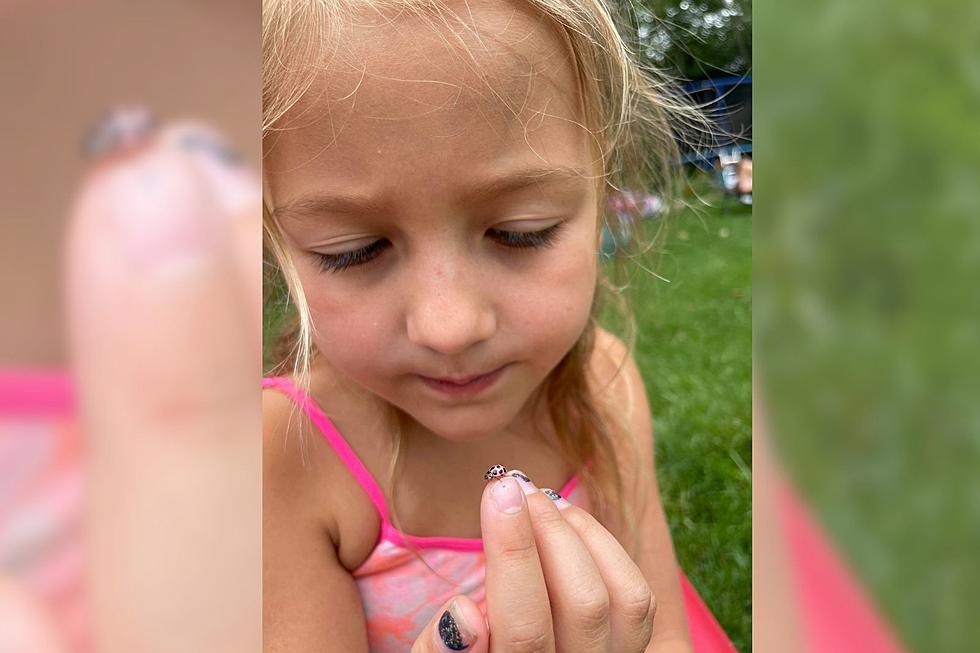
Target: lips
[(463, 385), (461, 380)]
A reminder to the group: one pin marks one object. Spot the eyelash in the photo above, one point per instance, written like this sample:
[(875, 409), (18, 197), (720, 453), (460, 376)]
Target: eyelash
[(366, 254)]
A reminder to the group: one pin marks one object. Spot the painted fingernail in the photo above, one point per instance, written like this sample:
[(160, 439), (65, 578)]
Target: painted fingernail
[(559, 500), (236, 186), (507, 496), (210, 144), (453, 631), (121, 128), (526, 484)]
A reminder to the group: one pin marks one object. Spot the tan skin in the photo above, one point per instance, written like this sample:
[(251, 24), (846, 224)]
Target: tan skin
[(419, 142)]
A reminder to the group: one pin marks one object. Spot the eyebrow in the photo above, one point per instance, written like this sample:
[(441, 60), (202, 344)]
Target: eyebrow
[(525, 178), (310, 206)]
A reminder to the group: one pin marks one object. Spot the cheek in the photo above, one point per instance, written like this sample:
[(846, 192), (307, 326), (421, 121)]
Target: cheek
[(554, 306), (349, 331)]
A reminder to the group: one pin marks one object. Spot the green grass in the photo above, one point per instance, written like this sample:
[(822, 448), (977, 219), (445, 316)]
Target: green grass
[(694, 350)]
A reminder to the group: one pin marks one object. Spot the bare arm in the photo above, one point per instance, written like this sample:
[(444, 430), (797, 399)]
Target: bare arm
[(310, 602)]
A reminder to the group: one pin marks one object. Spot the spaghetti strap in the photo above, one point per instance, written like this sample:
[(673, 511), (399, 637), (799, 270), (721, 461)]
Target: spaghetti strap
[(569, 486), (333, 437)]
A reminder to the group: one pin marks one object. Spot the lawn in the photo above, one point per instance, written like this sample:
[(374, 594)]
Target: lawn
[(694, 349)]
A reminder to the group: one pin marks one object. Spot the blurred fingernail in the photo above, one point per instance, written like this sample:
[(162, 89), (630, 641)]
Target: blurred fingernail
[(237, 187), (526, 484), (507, 496), (121, 128), (453, 630), (559, 500), (161, 210), (209, 144)]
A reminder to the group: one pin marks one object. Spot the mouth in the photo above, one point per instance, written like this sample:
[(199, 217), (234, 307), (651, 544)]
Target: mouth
[(464, 386)]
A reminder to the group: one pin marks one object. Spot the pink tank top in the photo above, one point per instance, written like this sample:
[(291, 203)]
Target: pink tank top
[(400, 592)]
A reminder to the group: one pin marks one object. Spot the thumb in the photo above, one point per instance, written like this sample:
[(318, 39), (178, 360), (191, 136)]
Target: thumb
[(458, 625)]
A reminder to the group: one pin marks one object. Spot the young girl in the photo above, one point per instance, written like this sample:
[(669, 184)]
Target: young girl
[(434, 172)]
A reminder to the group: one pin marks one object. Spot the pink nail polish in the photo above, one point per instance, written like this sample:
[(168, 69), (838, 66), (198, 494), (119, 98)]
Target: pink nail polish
[(507, 496)]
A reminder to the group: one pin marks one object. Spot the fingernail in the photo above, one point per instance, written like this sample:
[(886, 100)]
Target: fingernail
[(559, 500), (162, 213), (453, 630), (209, 143), (121, 128), (522, 479), (507, 496), (237, 187)]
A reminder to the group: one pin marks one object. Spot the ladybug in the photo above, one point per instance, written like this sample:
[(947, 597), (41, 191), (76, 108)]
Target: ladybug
[(495, 472)]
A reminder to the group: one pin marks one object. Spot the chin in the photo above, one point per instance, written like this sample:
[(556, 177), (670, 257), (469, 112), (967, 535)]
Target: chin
[(473, 426)]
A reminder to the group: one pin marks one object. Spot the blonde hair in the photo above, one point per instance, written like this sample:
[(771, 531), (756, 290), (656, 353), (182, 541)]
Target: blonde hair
[(633, 117)]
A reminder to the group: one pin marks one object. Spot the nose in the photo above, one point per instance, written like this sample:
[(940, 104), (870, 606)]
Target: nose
[(449, 310)]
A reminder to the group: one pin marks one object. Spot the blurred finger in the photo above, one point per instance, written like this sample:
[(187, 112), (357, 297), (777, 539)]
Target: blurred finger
[(167, 363)]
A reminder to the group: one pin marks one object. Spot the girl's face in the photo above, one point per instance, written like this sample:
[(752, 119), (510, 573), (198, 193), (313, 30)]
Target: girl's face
[(439, 203)]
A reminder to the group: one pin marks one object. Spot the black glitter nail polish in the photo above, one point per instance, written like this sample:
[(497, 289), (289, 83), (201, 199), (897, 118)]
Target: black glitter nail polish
[(551, 494), (520, 476), (449, 632)]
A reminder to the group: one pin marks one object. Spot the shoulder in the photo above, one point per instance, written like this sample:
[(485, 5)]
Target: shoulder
[(618, 384), (306, 486), (290, 472), (283, 426), (620, 391)]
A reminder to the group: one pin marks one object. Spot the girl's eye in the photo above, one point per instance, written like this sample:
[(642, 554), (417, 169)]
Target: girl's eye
[(512, 239), (340, 262), (526, 239)]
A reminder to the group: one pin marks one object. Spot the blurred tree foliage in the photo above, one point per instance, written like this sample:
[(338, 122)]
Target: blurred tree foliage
[(695, 39)]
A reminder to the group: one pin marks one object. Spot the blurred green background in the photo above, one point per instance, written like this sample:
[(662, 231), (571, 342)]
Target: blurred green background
[(867, 258)]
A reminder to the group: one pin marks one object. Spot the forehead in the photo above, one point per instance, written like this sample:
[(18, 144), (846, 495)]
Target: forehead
[(433, 98)]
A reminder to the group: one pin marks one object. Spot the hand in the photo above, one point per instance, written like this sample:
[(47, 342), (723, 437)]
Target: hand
[(556, 579), (557, 582)]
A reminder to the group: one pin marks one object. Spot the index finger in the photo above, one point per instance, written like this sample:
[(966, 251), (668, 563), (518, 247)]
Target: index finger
[(517, 600)]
